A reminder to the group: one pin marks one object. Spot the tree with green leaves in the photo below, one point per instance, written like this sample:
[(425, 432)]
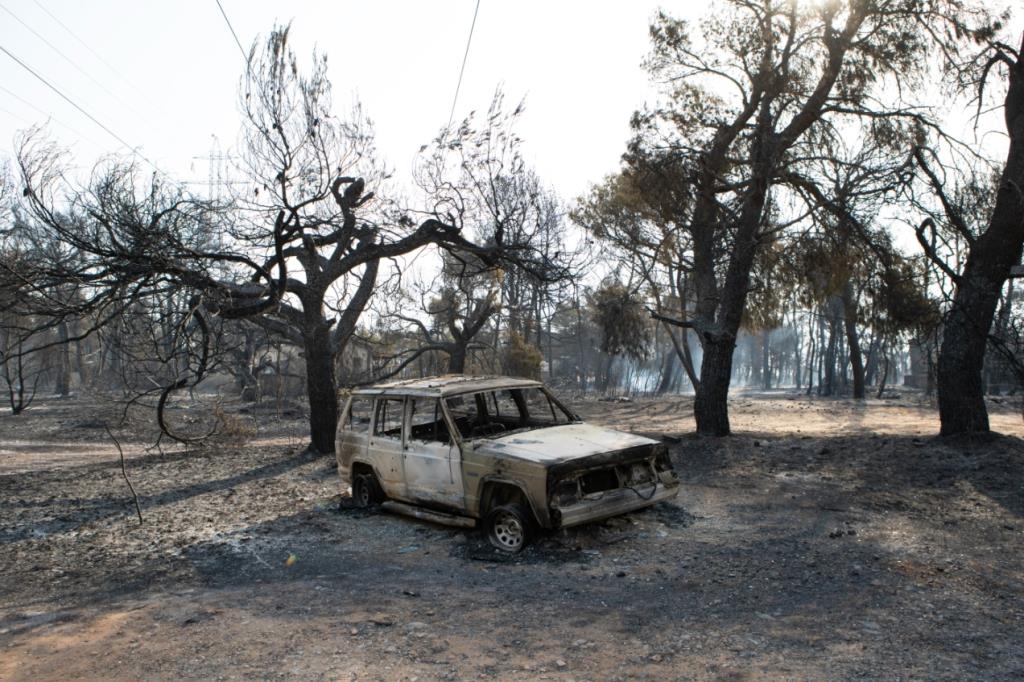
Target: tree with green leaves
[(619, 314), (639, 215), (988, 219), (749, 94)]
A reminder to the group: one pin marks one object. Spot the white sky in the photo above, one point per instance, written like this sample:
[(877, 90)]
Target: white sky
[(176, 68), (164, 75)]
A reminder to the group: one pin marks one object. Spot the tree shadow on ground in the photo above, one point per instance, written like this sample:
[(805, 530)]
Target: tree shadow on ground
[(59, 513), (875, 469), (783, 560), (787, 589)]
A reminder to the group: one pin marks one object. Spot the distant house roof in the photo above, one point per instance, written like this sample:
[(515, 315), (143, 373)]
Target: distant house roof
[(450, 384)]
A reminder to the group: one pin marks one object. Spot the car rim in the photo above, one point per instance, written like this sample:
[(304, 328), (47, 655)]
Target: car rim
[(508, 531), (364, 494)]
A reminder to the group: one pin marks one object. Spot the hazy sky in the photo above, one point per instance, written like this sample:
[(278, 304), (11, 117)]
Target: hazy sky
[(164, 76)]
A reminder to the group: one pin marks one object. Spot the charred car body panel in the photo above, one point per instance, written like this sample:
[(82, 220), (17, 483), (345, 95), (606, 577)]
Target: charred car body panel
[(464, 445)]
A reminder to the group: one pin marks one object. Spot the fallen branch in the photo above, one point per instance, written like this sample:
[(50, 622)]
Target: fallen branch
[(124, 472)]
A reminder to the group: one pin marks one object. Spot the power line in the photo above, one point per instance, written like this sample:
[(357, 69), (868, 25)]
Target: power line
[(49, 116), (80, 109), (94, 52), (14, 115), (231, 28), (71, 61), (465, 56)]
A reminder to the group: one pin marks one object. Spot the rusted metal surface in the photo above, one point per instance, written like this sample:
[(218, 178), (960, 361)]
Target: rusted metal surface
[(568, 474), (451, 384), (386, 457), (613, 503), (433, 473), (428, 514), (562, 443)]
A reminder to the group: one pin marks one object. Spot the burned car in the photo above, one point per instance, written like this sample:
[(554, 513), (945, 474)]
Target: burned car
[(500, 451)]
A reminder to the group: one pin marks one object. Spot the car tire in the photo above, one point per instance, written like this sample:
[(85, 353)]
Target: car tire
[(509, 527), (366, 491)]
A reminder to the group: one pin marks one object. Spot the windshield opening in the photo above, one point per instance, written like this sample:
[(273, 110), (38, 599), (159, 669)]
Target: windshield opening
[(497, 412)]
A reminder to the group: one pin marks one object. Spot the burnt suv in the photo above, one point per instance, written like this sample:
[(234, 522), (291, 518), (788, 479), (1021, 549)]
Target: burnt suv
[(499, 450)]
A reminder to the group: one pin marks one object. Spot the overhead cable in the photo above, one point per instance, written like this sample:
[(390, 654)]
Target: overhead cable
[(85, 113), (70, 61), (231, 28), (462, 70)]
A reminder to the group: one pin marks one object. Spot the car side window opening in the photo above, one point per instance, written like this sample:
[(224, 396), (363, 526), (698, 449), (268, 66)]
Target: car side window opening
[(388, 420), (465, 413), (473, 416), (506, 408), (541, 409), (426, 421), (358, 417)]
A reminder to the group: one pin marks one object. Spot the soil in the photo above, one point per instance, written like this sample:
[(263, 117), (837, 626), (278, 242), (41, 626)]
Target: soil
[(827, 539)]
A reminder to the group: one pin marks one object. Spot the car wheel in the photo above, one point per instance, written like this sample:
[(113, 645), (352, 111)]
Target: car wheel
[(509, 527), (366, 491)]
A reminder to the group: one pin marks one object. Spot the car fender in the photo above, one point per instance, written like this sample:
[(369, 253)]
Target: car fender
[(356, 461), (538, 510)]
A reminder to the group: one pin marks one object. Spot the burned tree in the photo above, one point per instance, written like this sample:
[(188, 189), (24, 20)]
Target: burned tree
[(785, 70), (466, 302), (619, 314), (119, 254), (298, 254), (992, 247), (640, 215), (845, 252), (477, 174)]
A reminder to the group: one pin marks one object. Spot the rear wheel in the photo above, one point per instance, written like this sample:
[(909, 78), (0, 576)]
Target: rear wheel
[(509, 527), (366, 491)]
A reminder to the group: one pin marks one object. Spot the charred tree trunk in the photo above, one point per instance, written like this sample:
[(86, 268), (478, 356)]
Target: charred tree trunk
[(885, 375), (535, 303), (668, 371), (822, 351), (80, 368), (320, 387), (853, 340), (964, 340), (710, 408), (244, 367), (62, 382), (929, 389), (797, 352), (871, 366), (766, 364), (457, 358), (812, 353), (997, 374), (992, 254), (606, 376), (828, 384)]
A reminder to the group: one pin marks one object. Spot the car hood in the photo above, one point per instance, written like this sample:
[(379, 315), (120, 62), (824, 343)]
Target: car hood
[(561, 443)]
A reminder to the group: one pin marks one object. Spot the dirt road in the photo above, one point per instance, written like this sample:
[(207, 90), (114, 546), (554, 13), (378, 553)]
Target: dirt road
[(827, 540)]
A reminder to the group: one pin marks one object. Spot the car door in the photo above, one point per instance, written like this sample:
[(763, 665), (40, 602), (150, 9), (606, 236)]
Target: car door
[(433, 472), (353, 431), (385, 446)]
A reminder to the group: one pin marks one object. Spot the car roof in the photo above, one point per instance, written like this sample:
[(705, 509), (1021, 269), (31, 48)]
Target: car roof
[(449, 384)]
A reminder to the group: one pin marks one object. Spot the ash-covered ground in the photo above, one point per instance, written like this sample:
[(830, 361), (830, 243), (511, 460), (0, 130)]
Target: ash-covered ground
[(826, 540)]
